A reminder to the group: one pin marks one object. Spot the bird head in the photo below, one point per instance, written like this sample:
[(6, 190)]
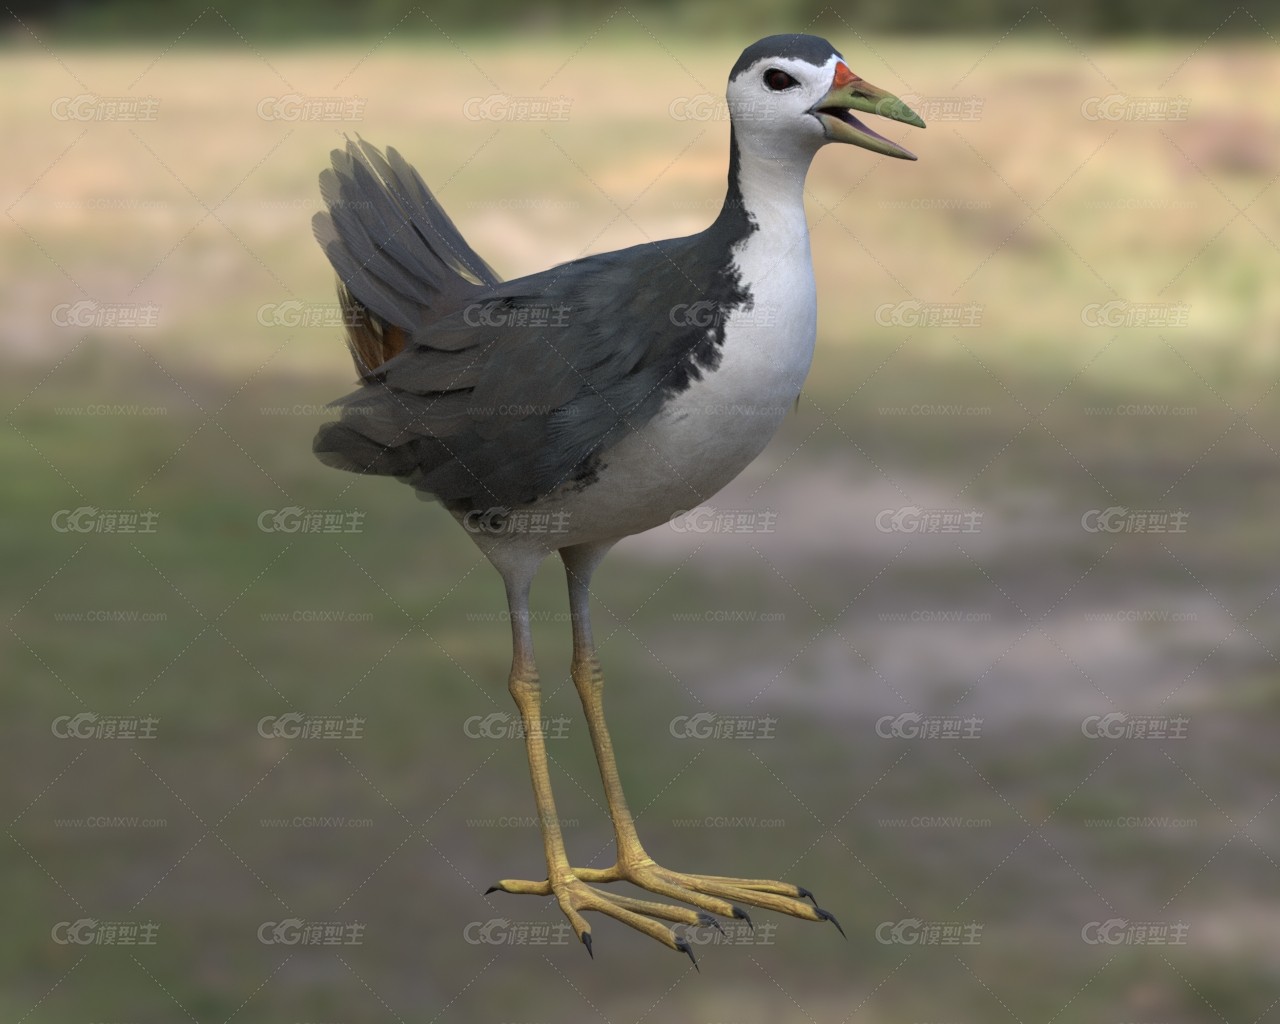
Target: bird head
[(792, 93)]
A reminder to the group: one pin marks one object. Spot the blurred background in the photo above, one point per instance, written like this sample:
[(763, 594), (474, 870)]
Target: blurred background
[(982, 649)]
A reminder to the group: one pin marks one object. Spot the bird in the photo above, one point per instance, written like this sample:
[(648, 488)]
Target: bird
[(561, 412)]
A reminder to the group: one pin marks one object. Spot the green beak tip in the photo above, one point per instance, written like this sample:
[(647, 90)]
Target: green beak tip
[(898, 111)]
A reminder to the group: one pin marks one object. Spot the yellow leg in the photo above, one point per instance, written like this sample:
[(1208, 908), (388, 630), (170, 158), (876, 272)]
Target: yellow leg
[(714, 894), (573, 894)]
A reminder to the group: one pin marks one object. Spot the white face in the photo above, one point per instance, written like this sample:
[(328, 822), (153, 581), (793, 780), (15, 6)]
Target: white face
[(771, 104)]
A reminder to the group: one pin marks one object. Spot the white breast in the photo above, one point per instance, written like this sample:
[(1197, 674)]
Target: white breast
[(731, 413)]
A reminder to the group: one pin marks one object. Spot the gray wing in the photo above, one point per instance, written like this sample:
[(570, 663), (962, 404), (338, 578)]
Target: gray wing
[(525, 387)]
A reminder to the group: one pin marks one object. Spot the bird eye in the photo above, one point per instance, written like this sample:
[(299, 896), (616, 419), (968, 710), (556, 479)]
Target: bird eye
[(777, 80)]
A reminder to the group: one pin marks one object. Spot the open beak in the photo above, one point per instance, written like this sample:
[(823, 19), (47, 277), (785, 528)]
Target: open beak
[(849, 93)]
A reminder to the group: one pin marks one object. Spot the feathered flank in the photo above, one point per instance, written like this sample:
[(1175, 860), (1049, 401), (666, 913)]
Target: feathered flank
[(479, 392)]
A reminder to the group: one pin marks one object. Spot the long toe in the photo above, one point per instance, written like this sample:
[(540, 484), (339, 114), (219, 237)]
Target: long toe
[(576, 898), (701, 899), (726, 896)]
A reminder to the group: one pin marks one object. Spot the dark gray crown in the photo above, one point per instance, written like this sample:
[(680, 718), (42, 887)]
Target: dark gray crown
[(813, 49)]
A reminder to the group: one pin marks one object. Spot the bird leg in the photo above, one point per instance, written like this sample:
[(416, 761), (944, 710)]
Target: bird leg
[(573, 894), (716, 894)]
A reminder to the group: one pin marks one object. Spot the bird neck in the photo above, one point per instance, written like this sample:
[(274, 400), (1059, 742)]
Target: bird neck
[(766, 185)]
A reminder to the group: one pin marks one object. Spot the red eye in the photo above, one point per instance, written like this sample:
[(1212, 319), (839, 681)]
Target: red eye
[(777, 80)]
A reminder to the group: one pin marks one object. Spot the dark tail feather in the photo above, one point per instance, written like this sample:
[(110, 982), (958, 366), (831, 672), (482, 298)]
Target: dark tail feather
[(401, 263), (340, 447)]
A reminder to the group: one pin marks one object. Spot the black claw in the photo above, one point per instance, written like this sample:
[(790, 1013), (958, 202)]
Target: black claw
[(742, 915), (826, 915), (586, 941), (493, 888), (804, 894), (706, 920), (682, 944)]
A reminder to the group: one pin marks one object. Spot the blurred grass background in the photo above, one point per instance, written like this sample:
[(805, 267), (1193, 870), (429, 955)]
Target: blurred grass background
[(1022, 208)]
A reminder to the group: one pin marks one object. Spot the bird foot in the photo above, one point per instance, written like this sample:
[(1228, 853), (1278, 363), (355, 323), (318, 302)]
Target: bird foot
[(710, 894)]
